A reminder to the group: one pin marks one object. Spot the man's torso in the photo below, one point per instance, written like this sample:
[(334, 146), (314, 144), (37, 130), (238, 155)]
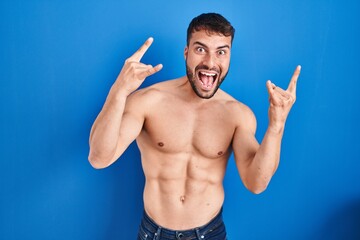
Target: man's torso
[(185, 146)]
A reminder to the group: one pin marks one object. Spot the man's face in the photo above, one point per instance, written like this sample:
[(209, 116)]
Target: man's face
[(207, 62)]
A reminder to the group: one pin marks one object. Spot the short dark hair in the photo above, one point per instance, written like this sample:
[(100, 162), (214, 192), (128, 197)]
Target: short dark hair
[(212, 23)]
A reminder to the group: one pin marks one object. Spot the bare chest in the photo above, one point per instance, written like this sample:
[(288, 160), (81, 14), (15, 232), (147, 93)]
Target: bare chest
[(173, 128)]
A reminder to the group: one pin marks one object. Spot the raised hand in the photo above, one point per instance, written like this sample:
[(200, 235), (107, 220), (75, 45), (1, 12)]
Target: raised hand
[(134, 72), (281, 100)]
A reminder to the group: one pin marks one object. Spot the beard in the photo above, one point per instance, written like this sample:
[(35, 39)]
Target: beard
[(192, 78)]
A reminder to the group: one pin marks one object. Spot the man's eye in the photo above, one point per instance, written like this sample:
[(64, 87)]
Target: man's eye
[(200, 49), (221, 52)]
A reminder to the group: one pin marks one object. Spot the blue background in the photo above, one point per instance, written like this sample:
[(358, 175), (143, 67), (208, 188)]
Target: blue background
[(58, 60)]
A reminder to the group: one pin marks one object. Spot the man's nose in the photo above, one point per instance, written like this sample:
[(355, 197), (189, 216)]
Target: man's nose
[(210, 60)]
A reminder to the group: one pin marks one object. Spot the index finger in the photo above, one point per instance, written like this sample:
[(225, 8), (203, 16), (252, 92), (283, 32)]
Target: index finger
[(142, 50), (292, 85)]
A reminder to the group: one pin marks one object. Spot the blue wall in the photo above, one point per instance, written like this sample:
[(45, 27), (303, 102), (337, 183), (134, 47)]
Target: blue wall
[(58, 60)]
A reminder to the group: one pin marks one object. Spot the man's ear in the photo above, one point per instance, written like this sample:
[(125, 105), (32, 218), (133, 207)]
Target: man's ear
[(186, 50)]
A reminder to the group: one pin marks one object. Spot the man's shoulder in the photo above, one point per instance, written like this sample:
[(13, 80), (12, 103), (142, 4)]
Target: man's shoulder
[(153, 93), (233, 103), (163, 86), (237, 109)]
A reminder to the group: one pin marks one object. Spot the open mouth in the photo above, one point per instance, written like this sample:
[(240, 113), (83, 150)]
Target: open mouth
[(207, 79)]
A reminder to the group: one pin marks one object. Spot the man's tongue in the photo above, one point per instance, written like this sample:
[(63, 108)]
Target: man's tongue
[(206, 81)]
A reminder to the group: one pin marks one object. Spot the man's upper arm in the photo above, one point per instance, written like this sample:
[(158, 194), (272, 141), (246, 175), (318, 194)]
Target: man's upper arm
[(244, 144), (131, 123)]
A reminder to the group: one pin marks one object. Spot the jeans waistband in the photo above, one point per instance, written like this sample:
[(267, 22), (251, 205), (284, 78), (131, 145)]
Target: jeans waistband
[(166, 233)]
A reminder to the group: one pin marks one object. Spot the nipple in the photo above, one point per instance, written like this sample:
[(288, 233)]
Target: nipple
[(182, 199)]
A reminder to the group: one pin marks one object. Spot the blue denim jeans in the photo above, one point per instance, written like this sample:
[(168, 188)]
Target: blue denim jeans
[(214, 230)]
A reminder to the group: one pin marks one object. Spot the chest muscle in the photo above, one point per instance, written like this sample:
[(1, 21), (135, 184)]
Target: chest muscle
[(207, 132)]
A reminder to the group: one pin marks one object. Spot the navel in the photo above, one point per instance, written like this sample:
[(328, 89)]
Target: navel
[(160, 144), (182, 198)]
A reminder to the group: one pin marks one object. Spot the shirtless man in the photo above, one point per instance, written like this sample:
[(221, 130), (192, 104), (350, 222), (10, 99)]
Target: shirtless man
[(186, 129)]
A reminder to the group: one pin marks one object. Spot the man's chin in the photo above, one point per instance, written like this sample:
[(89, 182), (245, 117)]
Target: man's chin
[(205, 97), (206, 94)]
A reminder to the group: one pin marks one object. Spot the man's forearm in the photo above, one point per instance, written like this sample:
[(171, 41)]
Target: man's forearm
[(266, 159)]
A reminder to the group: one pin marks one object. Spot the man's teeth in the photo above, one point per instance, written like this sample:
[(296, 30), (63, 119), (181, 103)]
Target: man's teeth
[(208, 74)]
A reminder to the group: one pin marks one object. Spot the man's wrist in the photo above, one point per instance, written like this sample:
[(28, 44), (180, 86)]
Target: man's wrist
[(119, 92), (276, 128)]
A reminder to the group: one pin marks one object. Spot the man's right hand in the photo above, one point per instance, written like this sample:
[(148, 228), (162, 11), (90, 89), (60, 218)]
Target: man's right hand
[(134, 72)]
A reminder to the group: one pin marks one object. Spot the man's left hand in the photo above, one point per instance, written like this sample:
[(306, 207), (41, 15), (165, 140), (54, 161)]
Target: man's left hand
[(281, 100)]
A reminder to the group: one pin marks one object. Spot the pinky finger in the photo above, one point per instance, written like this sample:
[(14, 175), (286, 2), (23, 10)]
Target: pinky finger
[(158, 68), (150, 71), (270, 87)]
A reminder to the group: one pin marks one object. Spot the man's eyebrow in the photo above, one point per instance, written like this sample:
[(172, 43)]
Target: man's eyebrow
[(225, 46), (200, 43), (204, 45)]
